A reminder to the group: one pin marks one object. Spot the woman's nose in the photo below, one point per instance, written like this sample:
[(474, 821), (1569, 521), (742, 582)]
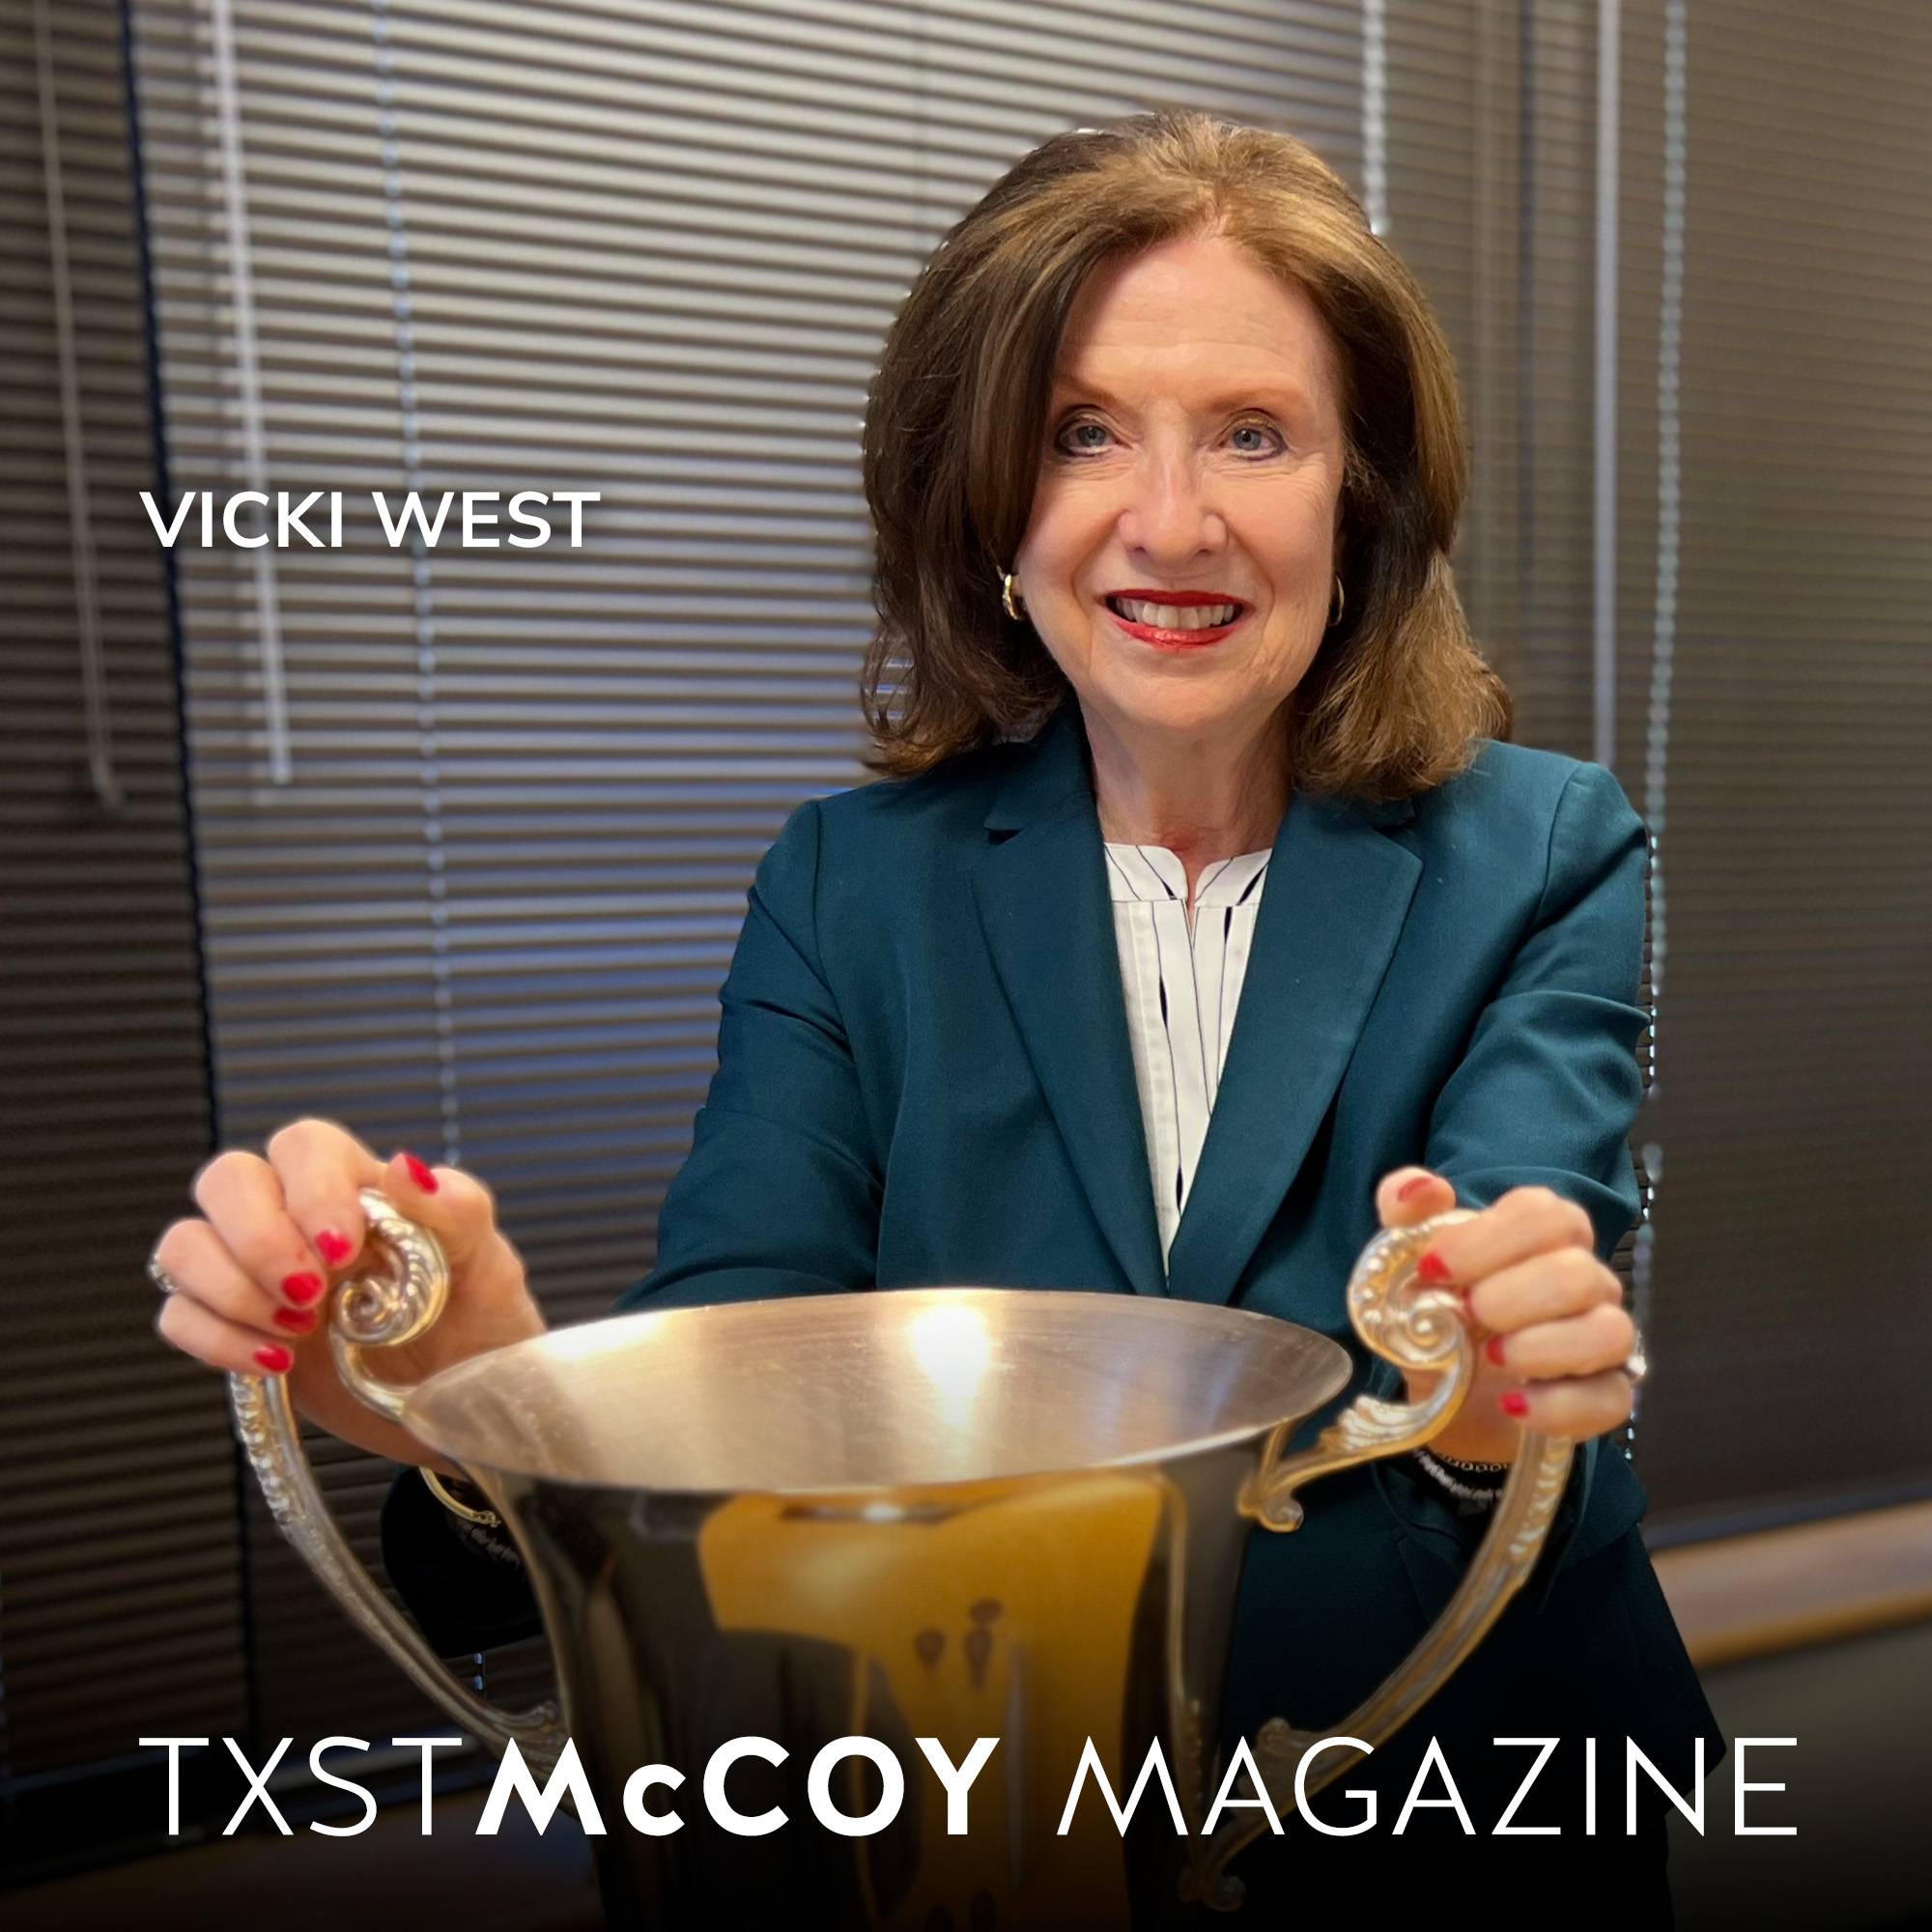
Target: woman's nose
[(1170, 510)]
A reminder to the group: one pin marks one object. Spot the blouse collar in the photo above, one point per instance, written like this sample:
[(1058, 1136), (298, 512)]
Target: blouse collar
[(1153, 873)]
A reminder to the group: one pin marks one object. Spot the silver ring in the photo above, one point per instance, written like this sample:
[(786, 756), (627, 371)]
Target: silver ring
[(1638, 1366), (161, 1278)]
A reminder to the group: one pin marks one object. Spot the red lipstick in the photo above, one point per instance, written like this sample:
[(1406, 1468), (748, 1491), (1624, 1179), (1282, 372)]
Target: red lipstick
[(1176, 640)]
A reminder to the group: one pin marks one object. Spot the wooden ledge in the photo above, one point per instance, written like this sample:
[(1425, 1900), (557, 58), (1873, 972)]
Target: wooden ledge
[(1742, 1597)]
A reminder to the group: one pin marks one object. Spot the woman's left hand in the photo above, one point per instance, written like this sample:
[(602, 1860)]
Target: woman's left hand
[(1546, 1317)]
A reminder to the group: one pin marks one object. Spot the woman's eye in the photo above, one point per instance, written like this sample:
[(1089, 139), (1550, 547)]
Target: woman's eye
[(1272, 445), (1074, 429)]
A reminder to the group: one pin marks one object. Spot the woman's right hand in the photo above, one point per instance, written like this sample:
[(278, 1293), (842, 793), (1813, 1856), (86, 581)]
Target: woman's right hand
[(280, 1232)]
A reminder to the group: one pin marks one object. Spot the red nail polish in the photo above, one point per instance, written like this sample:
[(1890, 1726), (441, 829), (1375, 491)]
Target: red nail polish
[(1515, 1403), (1494, 1348), (334, 1248), (419, 1174), (1431, 1267), (302, 1289), (297, 1320), (274, 1358), (1411, 1187)]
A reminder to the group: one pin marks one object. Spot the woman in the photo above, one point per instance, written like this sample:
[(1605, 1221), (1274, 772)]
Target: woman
[(1204, 920)]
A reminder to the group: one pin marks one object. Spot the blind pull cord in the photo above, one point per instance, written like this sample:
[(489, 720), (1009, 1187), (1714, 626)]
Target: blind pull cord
[(80, 526), (248, 379)]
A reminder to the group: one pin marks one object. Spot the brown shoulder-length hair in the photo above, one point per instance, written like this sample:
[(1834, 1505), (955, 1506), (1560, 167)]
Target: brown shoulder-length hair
[(1398, 693)]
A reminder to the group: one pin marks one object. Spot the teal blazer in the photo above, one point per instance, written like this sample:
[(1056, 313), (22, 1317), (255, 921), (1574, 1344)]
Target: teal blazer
[(924, 1077)]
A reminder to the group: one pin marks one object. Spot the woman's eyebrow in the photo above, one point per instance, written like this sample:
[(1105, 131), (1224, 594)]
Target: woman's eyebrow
[(1281, 393)]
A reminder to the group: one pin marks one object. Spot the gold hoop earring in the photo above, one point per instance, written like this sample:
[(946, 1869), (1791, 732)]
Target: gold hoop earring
[(1006, 598), (1341, 599)]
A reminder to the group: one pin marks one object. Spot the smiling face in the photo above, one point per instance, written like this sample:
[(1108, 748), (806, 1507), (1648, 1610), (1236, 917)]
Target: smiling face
[(1193, 447)]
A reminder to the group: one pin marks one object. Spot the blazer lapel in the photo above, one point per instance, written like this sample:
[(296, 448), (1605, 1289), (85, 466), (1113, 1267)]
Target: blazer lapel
[(1338, 889), (1042, 892)]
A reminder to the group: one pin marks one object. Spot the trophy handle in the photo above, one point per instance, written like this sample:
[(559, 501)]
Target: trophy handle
[(1417, 1328), (394, 1298)]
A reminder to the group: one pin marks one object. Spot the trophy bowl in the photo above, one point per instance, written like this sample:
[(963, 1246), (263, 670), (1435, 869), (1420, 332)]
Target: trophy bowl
[(798, 1560)]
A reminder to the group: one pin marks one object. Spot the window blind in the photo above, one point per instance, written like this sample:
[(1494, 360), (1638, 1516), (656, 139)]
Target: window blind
[(121, 1574), (1774, 515)]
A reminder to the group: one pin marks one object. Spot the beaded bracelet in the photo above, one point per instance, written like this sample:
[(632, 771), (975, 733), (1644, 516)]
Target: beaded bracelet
[(488, 1542), (1461, 1491)]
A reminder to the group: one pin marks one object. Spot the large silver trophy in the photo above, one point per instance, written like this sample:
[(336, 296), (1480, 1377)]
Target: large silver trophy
[(923, 1517)]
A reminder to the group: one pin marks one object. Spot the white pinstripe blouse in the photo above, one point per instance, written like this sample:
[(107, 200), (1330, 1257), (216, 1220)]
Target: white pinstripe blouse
[(1182, 988)]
